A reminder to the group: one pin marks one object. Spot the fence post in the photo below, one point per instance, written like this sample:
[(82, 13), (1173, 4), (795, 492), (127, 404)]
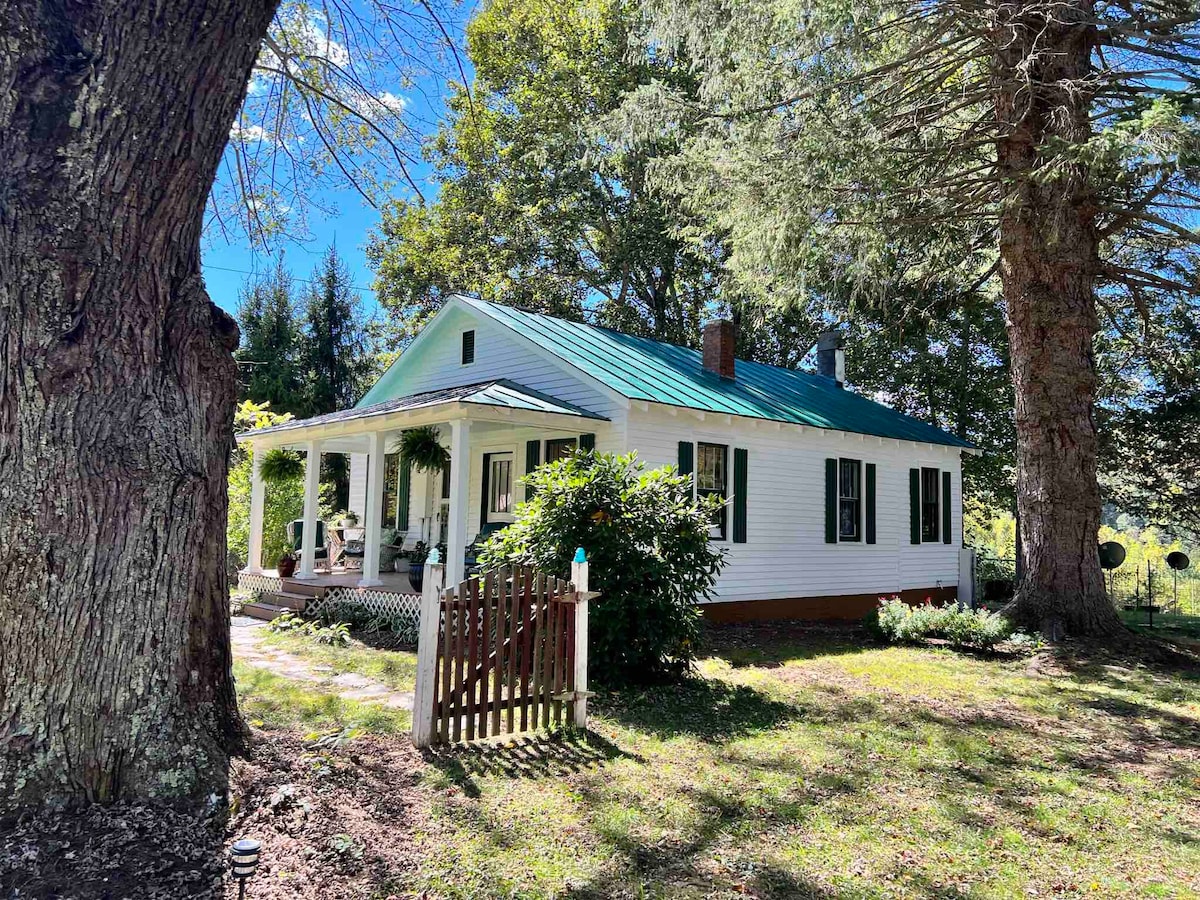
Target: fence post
[(427, 646), (579, 576), (966, 578)]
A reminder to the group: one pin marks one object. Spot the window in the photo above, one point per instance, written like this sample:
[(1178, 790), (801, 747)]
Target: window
[(468, 347), (849, 499), (929, 504), (560, 448), (500, 484), (391, 490), (712, 478)]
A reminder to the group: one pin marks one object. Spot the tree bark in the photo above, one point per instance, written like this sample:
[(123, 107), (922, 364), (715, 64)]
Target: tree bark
[(1049, 261), (117, 389)]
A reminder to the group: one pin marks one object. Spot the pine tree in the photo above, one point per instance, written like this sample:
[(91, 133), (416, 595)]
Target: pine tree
[(268, 357)]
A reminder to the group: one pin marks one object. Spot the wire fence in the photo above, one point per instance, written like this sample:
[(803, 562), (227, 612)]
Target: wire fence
[(1130, 587)]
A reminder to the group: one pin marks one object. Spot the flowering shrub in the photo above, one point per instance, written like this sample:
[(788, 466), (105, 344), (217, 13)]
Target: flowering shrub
[(896, 621)]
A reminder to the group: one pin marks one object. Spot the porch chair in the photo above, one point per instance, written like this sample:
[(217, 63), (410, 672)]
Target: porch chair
[(295, 530), (356, 548)]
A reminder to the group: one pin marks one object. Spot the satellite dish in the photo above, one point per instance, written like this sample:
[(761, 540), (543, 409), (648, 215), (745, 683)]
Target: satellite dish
[(1178, 560), (1112, 555)]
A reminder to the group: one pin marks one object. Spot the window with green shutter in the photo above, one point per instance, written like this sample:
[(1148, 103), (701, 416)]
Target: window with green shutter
[(686, 456), (870, 491), (831, 500)]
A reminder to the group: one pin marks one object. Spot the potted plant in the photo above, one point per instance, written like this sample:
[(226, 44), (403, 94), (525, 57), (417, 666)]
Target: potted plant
[(416, 565), (286, 565), (349, 518), (280, 467)]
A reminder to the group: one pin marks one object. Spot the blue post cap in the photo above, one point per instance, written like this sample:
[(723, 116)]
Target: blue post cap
[(435, 557), (580, 556)]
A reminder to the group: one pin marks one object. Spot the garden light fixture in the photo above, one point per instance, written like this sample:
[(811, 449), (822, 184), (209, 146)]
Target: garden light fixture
[(243, 860)]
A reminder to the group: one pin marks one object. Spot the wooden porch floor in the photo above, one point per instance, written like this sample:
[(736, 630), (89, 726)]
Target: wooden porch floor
[(392, 581)]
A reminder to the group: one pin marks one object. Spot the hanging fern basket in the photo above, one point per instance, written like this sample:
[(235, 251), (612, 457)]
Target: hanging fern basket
[(419, 448), (281, 467)]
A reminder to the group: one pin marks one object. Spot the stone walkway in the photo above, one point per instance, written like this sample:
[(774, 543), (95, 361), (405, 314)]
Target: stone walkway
[(248, 647)]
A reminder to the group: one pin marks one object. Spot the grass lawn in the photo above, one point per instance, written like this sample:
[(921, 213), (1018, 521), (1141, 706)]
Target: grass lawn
[(395, 668), (812, 764)]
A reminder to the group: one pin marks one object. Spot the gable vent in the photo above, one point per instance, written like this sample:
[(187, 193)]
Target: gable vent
[(468, 348)]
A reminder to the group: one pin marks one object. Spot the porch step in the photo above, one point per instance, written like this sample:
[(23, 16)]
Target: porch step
[(264, 611), (303, 588), (288, 600)]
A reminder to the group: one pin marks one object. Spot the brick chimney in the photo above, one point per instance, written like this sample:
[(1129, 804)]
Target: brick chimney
[(831, 358), (718, 347)]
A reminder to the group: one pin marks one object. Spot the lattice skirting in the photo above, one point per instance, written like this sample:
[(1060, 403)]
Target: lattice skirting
[(379, 603), (259, 584)]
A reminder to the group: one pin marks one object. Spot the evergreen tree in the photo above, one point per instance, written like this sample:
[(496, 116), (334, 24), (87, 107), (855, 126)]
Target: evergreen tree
[(269, 355), (336, 356)]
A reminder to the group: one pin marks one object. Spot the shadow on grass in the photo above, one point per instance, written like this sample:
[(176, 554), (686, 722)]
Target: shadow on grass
[(535, 756), (710, 710), (768, 645)]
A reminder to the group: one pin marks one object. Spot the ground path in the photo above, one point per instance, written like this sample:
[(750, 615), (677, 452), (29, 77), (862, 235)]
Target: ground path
[(248, 647)]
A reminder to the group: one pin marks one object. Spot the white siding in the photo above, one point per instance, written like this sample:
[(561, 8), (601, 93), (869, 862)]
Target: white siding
[(499, 353), (785, 555), (358, 485)]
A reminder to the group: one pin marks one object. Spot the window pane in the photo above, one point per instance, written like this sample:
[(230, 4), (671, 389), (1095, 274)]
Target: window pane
[(391, 490), (929, 504), (559, 448), (849, 506), (710, 468), (500, 485)]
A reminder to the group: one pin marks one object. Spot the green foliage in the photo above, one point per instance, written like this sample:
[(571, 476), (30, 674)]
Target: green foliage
[(896, 621), (648, 550), (284, 500), (538, 205), (335, 635), (421, 447), (281, 467), (405, 626), (268, 357)]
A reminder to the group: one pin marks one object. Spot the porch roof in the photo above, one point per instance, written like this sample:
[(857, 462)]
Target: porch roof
[(500, 392)]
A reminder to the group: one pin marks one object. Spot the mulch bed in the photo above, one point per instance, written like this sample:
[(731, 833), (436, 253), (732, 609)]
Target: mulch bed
[(334, 822)]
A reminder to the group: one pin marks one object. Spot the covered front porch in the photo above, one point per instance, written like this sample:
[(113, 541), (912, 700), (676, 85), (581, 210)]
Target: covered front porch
[(495, 432)]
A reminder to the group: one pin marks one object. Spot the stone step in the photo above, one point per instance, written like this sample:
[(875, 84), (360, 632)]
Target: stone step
[(287, 600), (264, 611)]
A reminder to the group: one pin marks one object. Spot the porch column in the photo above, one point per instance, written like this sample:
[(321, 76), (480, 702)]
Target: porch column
[(370, 575), (312, 483), (460, 481), (258, 499)]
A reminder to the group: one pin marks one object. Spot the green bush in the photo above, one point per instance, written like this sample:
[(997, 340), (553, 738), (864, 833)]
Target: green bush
[(896, 621), (335, 635), (649, 557)]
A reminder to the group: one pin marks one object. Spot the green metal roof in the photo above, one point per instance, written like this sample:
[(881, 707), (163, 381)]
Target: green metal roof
[(644, 369)]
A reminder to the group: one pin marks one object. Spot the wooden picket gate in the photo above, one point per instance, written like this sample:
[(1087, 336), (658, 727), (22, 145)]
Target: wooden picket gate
[(501, 654)]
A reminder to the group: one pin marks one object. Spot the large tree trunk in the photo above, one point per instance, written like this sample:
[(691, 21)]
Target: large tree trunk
[(1049, 260), (116, 398)]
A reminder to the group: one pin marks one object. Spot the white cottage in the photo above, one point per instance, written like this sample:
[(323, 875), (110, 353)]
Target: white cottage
[(833, 499)]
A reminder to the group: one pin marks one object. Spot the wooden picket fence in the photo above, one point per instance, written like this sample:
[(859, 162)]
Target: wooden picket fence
[(502, 654)]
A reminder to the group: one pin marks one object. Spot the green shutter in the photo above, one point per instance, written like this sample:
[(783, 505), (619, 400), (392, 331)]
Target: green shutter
[(687, 452), (533, 459), (587, 441), (483, 492), (914, 504), (946, 526), (870, 503), (405, 491), (739, 495), (831, 520)]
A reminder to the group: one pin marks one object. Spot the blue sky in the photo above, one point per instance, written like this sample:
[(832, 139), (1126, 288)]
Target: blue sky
[(411, 77)]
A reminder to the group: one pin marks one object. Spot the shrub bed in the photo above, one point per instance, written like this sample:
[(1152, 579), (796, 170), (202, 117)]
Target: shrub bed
[(896, 621)]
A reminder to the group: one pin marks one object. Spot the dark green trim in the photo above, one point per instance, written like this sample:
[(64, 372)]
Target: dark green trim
[(533, 459), (687, 457), (587, 441), (740, 465), (404, 490), (914, 504), (946, 526), (831, 486), (870, 498), (483, 494)]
